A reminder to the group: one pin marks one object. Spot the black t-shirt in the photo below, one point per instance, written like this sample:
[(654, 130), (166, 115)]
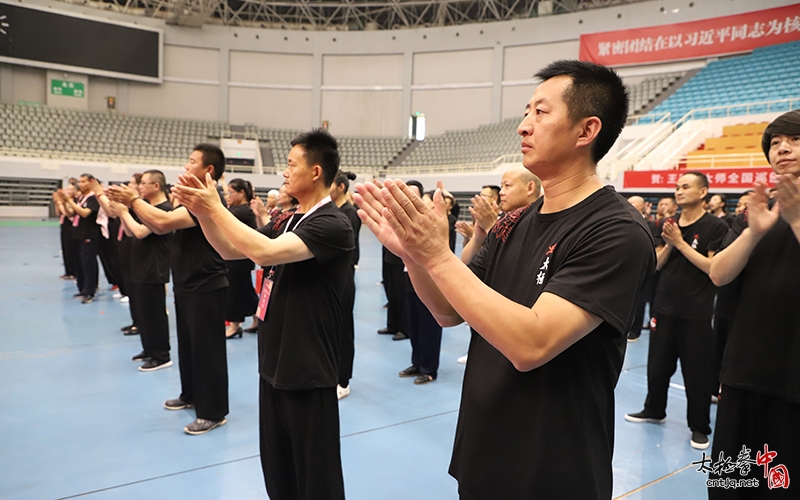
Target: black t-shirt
[(762, 354), (245, 214), (150, 255), (87, 228), (549, 432), (684, 291), (196, 267), (298, 341), (355, 222)]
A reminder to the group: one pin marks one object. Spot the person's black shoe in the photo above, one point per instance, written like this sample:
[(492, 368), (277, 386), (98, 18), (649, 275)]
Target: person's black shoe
[(644, 417), (77, 295), (126, 328), (153, 365), (132, 331), (411, 371), (424, 378), (177, 404), (699, 441), (399, 336), (87, 299), (201, 426), (251, 330), (236, 334), (633, 338), (385, 331), (141, 357)]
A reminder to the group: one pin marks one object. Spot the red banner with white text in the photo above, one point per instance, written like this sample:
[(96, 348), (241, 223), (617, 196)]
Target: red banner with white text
[(718, 178), (693, 40)]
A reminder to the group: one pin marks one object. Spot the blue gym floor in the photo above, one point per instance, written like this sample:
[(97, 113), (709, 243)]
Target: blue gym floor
[(77, 419)]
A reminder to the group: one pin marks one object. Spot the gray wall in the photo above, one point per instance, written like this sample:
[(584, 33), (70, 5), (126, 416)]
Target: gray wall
[(363, 83)]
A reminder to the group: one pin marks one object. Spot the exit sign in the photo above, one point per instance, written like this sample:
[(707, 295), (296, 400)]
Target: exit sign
[(67, 88)]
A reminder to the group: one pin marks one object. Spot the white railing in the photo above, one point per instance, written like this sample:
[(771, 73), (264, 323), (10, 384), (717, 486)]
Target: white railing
[(722, 160), (711, 112)]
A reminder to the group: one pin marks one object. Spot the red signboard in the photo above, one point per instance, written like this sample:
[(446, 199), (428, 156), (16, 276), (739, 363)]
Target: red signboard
[(693, 40), (718, 178)]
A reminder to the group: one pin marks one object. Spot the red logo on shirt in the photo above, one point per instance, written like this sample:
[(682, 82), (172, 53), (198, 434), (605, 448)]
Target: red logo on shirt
[(550, 249)]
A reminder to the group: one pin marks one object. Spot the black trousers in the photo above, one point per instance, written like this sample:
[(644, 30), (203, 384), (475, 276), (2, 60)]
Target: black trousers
[(299, 440), (425, 335), (395, 285), (754, 421), (107, 251), (719, 340), (68, 249), (151, 307), (689, 341), (202, 354), (347, 348), (87, 267)]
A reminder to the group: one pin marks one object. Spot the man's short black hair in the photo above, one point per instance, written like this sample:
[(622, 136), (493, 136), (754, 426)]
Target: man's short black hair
[(494, 188), (212, 155), (157, 176), (320, 148), (89, 177), (701, 178), (786, 124), (595, 91)]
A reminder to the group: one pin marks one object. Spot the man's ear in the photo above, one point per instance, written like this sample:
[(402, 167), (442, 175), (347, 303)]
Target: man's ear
[(590, 129)]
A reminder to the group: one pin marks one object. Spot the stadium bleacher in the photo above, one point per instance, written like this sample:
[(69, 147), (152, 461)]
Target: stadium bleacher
[(739, 146), (762, 75), (44, 132), (645, 92)]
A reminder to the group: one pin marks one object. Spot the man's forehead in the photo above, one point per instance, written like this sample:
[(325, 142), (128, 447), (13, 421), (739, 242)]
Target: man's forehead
[(550, 90)]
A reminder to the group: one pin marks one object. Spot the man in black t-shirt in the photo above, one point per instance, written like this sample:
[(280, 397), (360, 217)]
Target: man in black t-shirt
[(636, 328), (307, 256), (150, 254), (684, 306), (759, 408), (200, 285), (549, 298), (87, 233)]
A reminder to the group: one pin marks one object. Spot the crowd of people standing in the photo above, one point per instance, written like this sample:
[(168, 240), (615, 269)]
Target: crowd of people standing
[(554, 278)]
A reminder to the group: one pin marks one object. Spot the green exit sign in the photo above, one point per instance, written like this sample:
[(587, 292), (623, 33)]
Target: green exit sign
[(67, 88)]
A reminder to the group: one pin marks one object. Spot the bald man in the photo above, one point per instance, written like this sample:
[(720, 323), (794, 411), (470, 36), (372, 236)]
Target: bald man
[(636, 328)]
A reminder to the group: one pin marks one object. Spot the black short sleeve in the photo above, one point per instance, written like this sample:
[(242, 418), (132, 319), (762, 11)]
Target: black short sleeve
[(597, 275), (327, 235)]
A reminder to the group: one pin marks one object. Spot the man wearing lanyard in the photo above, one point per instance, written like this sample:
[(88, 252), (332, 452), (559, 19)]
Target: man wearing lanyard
[(308, 257)]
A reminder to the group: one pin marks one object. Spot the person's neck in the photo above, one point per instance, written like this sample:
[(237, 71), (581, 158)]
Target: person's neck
[(310, 199), (718, 212), (341, 201), (156, 199), (570, 187), (691, 214)]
